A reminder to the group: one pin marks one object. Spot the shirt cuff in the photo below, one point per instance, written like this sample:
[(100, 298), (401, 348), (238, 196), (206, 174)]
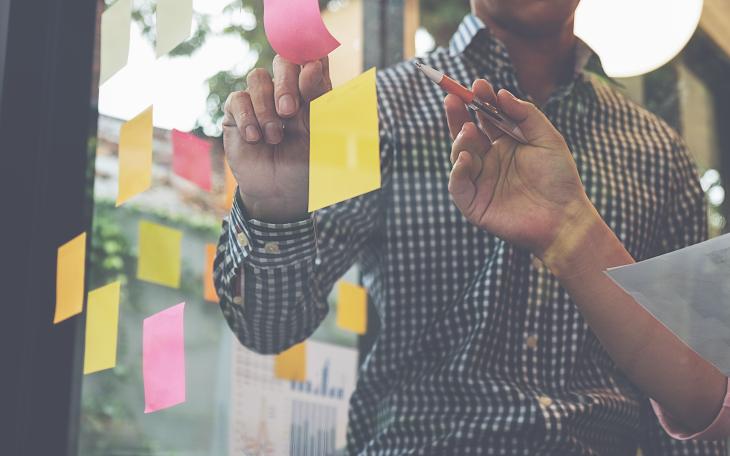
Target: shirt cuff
[(270, 245), (718, 429)]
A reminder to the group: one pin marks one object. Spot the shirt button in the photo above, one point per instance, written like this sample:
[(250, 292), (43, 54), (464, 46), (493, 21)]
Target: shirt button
[(531, 342), (271, 247), (238, 300), (242, 239), (545, 401), (537, 264)]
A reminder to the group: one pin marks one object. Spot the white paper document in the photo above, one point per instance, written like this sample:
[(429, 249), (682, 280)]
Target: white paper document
[(273, 417), (689, 292)]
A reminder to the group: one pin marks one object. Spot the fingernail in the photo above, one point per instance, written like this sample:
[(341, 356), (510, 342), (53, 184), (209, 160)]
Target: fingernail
[(510, 94), (252, 133), (287, 105), (273, 132)]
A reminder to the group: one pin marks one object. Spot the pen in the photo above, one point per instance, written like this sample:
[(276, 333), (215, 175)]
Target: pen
[(495, 116)]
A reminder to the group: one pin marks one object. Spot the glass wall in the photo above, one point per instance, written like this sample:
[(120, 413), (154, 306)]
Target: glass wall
[(187, 89)]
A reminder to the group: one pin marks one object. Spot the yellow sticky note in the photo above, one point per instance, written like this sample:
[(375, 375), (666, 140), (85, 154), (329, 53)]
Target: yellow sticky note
[(159, 254), (292, 364), (209, 293), (102, 321), (135, 156), (344, 159), (352, 308), (70, 267), (115, 25), (174, 19)]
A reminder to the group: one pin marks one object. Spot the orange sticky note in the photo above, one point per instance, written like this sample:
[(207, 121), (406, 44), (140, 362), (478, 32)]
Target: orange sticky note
[(292, 364), (352, 308), (230, 188), (135, 156), (159, 254), (102, 318), (209, 292), (70, 267)]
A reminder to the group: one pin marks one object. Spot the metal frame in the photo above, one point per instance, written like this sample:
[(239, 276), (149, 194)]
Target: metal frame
[(46, 54)]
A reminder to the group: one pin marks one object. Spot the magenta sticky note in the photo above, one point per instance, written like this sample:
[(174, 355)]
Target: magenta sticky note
[(163, 359), (191, 158), (295, 30)]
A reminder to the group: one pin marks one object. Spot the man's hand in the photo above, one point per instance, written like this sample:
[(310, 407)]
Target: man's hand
[(266, 137), (528, 194)]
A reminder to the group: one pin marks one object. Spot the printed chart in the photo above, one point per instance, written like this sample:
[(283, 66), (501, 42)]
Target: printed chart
[(272, 417)]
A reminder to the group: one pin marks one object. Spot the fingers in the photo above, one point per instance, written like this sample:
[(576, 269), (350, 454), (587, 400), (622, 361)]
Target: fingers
[(239, 113), (456, 114), (461, 186), (314, 79), (286, 87), (484, 92), (472, 140), (261, 89), (534, 124)]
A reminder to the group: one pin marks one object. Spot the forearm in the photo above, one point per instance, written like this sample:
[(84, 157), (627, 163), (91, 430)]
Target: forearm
[(664, 368), (267, 281)]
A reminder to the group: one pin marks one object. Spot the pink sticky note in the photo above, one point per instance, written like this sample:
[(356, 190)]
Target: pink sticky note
[(163, 359), (191, 158), (296, 31)]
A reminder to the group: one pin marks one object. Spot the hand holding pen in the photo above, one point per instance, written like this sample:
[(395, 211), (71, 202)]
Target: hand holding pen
[(528, 194)]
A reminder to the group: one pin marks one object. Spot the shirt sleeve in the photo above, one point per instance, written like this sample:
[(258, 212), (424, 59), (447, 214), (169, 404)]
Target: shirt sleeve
[(718, 429), (684, 223), (273, 279)]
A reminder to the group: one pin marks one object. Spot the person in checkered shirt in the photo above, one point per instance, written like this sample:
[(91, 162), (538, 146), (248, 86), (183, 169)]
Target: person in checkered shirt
[(483, 347)]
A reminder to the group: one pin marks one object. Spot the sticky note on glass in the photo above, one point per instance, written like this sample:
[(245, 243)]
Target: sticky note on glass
[(174, 20), (230, 187), (115, 26), (344, 159), (135, 156), (209, 293), (159, 254), (163, 359), (191, 158), (296, 31), (292, 363), (352, 308), (102, 322), (70, 267)]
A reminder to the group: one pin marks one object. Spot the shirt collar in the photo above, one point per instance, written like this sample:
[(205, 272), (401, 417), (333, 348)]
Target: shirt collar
[(473, 32)]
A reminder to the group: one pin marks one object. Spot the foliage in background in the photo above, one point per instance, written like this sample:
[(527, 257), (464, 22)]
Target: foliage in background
[(438, 16)]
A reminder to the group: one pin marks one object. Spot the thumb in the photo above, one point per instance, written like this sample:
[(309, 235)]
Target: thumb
[(314, 79), (534, 124)]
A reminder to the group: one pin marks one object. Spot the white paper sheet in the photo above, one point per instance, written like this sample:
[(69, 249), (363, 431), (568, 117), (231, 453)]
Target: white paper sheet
[(272, 417), (689, 292)]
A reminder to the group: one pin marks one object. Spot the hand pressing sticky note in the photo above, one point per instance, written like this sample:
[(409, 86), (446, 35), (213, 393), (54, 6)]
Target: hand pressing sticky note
[(159, 254), (296, 31), (292, 364), (174, 21), (209, 293), (102, 321), (163, 359), (191, 158), (115, 26), (352, 308), (70, 267), (344, 159), (135, 156)]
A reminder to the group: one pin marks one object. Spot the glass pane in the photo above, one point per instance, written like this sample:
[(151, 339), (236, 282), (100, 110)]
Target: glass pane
[(187, 89)]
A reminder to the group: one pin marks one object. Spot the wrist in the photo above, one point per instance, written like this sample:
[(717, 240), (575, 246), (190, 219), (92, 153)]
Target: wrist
[(273, 210), (584, 243)]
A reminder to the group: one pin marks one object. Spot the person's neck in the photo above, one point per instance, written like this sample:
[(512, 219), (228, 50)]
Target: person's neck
[(542, 63)]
